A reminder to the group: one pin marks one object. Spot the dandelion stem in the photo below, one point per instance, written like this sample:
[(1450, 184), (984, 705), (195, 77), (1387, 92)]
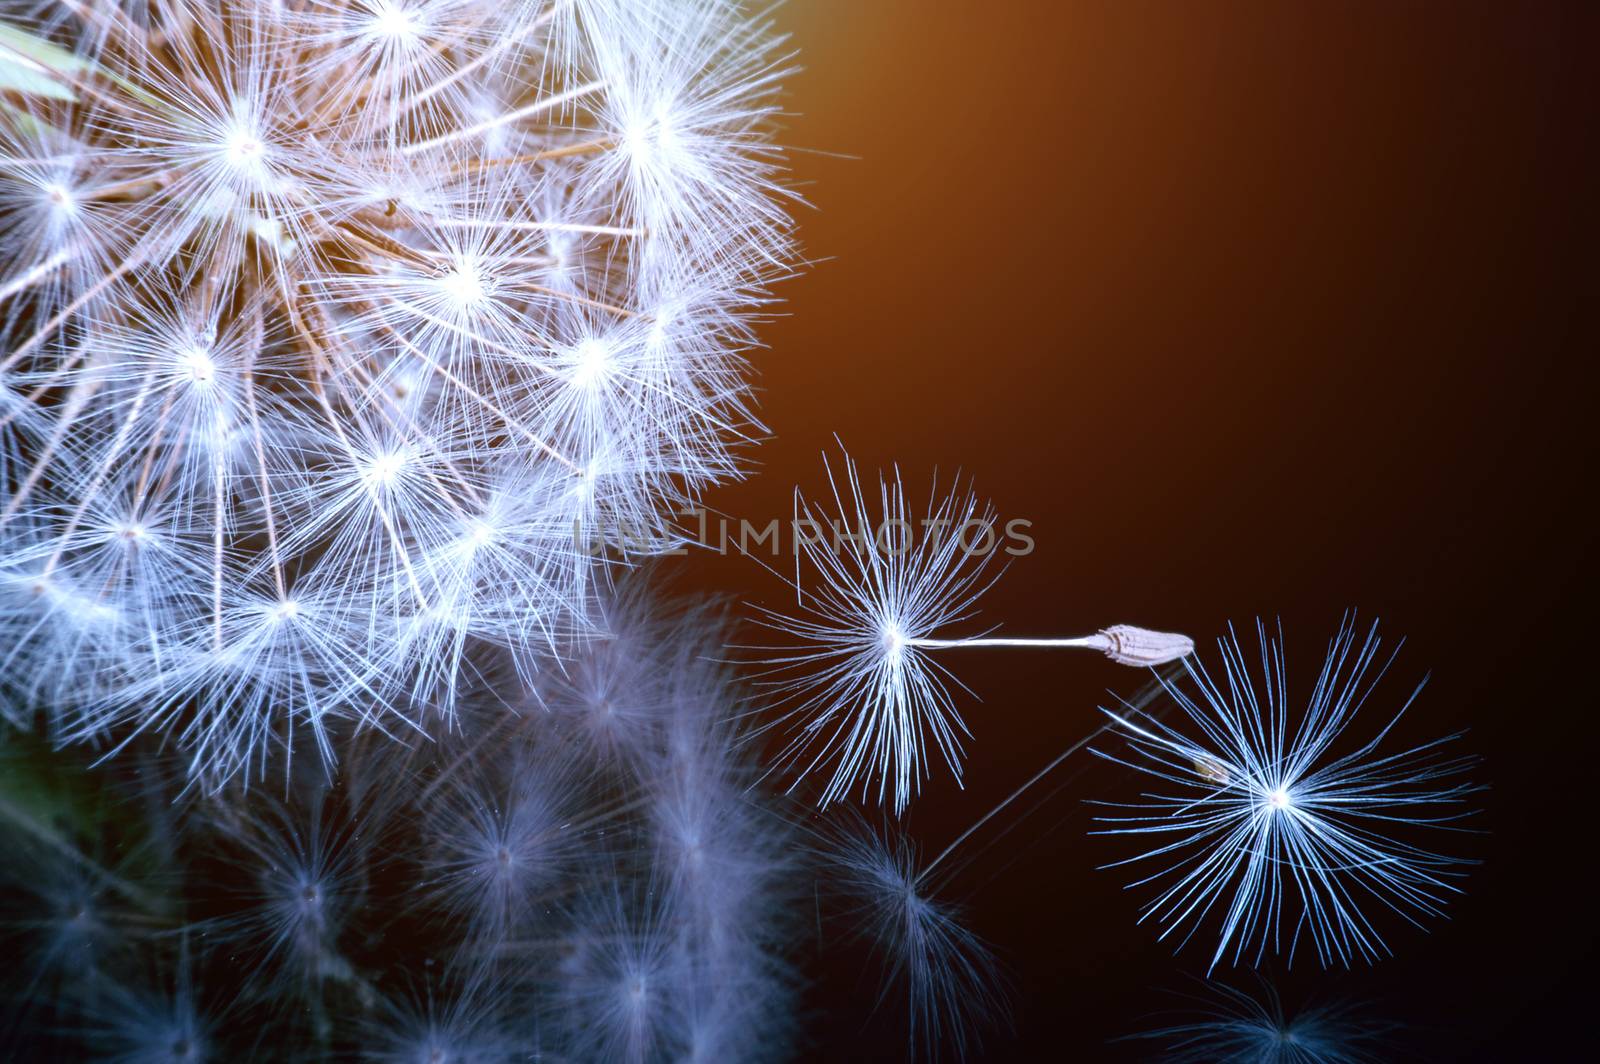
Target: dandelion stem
[(543, 227), (1147, 696), (44, 331), (35, 275), (53, 838), (113, 452), (265, 479), (1092, 642), (566, 151)]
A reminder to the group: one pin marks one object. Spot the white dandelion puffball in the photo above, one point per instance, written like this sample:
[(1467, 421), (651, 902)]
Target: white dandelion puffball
[(332, 332)]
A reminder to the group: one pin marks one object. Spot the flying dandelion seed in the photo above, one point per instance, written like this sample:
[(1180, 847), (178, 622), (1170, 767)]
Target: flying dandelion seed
[(1268, 823), (865, 694), (325, 328)]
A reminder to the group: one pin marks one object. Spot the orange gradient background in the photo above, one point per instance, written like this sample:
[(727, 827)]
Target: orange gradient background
[(1254, 309)]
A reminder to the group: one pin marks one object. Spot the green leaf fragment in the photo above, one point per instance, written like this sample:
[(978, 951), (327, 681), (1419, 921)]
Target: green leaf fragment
[(31, 66)]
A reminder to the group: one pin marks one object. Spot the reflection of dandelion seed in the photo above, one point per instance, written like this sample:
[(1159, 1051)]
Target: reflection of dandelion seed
[(1260, 818), (950, 978), (868, 696), (509, 892), (1233, 1027)]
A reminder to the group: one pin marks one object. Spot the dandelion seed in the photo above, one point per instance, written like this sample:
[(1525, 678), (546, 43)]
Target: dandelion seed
[(863, 690), (1271, 823)]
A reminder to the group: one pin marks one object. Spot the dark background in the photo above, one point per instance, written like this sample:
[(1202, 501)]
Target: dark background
[(1253, 309)]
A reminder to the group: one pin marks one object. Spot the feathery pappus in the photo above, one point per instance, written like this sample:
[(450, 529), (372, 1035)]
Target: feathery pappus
[(1284, 825)]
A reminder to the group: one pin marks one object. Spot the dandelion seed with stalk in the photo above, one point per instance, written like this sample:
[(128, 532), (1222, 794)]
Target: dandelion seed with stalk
[(864, 691)]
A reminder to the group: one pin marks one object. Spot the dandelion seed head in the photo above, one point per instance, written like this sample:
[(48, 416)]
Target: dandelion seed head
[(592, 363), (653, 896), (61, 199), (243, 148), (196, 362), (466, 285), (861, 696), (322, 281), (894, 643), (393, 22)]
